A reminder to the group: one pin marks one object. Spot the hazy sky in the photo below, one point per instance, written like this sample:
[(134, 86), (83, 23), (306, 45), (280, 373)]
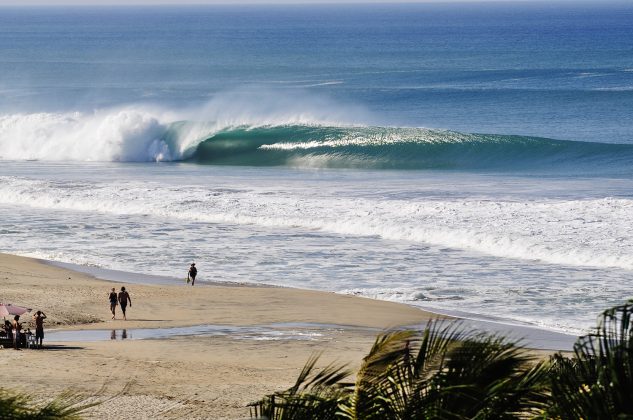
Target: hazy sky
[(176, 2)]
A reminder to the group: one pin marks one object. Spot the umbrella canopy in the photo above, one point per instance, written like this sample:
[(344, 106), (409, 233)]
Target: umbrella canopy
[(7, 309)]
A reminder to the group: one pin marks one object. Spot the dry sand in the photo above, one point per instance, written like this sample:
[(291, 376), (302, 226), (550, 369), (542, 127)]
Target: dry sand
[(180, 377)]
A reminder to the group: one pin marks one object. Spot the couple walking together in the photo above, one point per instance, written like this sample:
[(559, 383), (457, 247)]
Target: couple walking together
[(123, 298)]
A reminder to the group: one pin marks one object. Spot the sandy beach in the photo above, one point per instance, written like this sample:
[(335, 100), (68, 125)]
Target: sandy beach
[(209, 376)]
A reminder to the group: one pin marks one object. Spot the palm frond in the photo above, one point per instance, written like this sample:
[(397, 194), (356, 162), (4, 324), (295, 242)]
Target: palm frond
[(440, 372), (388, 350), (314, 395), (598, 381), (67, 406), (444, 372)]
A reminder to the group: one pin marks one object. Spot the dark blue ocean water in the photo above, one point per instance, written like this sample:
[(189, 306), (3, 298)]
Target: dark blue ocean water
[(555, 70)]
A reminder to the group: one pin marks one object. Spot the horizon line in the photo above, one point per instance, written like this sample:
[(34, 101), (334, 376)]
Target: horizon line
[(162, 3)]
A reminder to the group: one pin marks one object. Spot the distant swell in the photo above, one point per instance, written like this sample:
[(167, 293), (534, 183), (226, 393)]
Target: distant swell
[(141, 135)]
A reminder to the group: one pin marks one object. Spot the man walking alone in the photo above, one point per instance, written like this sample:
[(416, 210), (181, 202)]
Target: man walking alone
[(193, 271)]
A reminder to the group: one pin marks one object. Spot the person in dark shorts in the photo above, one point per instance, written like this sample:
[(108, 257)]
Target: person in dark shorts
[(193, 271), (16, 331), (113, 302), (39, 318), (124, 299)]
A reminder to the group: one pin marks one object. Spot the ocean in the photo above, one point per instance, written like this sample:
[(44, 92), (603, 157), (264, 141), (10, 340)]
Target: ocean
[(472, 159)]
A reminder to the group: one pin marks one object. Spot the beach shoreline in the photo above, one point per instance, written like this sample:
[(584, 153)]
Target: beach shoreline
[(532, 336), (223, 372), (233, 343)]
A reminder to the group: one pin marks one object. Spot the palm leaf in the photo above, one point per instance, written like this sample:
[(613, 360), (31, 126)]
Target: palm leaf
[(314, 395), (598, 381), (438, 373), (67, 406), (446, 373)]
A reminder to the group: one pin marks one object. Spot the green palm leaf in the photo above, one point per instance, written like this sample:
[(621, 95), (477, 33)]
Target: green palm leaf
[(598, 382), (16, 406), (315, 395), (444, 373), (438, 373)]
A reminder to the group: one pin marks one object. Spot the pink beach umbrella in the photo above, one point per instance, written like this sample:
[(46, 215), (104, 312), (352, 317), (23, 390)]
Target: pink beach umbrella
[(7, 309)]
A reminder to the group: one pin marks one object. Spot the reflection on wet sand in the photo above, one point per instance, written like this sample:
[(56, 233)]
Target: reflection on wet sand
[(283, 331), (113, 335)]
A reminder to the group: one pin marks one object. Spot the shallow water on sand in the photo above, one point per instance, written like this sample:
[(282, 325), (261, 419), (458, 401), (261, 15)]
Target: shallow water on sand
[(273, 332), (527, 336)]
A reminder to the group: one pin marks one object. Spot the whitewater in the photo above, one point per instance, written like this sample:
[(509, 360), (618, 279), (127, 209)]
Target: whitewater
[(257, 135)]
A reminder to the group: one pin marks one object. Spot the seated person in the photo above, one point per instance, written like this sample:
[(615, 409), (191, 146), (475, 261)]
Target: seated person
[(8, 330)]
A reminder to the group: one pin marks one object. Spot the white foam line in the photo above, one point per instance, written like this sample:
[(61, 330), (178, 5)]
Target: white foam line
[(565, 232)]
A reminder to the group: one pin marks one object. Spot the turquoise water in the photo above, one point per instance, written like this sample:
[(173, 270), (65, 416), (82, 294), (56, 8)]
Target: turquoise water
[(473, 157)]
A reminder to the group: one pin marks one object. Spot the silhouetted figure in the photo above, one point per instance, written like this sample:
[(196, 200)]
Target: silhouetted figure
[(124, 299), (17, 327), (193, 271), (113, 302), (39, 318)]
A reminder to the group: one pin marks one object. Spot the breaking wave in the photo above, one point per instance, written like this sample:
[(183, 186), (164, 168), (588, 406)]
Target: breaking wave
[(298, 140)]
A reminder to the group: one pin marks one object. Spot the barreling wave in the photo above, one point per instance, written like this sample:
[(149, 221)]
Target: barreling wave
[(133, 135), (400, 148)]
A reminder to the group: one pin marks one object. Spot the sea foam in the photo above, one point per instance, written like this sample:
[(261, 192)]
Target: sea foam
[(567, 232), (145, 133)]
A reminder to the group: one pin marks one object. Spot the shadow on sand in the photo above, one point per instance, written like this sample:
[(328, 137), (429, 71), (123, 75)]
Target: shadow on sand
[(56, 347)]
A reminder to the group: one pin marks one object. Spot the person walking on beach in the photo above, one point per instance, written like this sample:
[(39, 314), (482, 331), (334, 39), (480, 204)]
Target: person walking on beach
[(193, 271), (124, 299), (113, 302), (39, 318), (16, 332)]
